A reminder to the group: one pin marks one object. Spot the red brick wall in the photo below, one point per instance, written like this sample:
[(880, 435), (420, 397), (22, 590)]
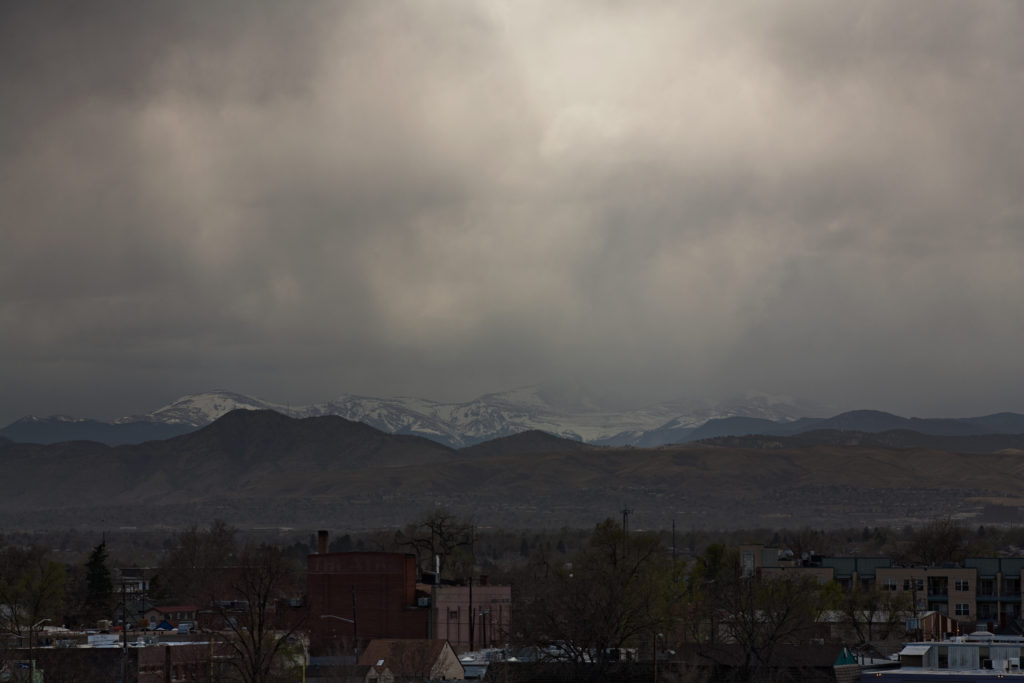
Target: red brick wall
[(490, 614), (385, 598)]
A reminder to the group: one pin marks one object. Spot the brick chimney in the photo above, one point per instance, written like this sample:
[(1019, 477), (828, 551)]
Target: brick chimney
[(321, 541)]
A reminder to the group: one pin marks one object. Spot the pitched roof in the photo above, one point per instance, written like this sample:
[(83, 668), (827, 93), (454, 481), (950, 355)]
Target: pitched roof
[(404, 656), (175, 608)]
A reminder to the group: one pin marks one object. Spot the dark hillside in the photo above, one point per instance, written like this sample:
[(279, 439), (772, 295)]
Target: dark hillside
[(262, 468), (229, 456), (532, 441), (897, 439)]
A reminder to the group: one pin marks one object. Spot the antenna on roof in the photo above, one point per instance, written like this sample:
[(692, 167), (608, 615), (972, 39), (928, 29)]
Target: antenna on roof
[(625, 527)]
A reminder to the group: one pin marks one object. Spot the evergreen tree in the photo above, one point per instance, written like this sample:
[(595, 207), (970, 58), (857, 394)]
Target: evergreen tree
[(99, 587)]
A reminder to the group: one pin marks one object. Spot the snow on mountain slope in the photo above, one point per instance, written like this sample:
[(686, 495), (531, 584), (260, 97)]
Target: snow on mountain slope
[(395, 415), (31, 419), (199, 410), (569, 413)]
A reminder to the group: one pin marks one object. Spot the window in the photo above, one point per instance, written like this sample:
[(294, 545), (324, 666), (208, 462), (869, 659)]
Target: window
[(748, 563), (889, 585), (453, 614), (913, 584), (962, 585), (963, 609)]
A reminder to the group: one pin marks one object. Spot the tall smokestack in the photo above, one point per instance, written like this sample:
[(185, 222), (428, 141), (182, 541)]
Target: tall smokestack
[(321, 541)]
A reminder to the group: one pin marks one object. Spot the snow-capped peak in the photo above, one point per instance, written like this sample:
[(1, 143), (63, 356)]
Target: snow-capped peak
[(571, 413), (202, 409)]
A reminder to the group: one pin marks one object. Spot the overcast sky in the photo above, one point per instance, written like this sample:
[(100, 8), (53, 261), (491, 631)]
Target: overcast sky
[(655, 199)]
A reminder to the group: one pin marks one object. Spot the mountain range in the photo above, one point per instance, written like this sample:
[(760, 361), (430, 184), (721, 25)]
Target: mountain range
[(258, 468), (572, 415)]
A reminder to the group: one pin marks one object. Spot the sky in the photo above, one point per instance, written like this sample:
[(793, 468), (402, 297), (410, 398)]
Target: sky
[(295, 201)]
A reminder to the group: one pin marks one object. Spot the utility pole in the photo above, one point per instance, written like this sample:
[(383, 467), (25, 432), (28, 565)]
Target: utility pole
[(673, 540), (124, 633), (355, 624), (31, 654), (31, 658), (656, 651), (625, 528), (472, 619)]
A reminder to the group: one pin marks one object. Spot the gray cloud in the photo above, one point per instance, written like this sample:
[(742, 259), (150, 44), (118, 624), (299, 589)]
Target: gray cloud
[(302, 200)]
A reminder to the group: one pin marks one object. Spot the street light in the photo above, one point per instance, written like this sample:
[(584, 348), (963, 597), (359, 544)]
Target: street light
[(31, 658), (485, 615), (355, 625), (355, 631), (657, 637)]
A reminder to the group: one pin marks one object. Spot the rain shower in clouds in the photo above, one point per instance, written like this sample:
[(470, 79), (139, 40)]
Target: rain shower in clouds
[(301, 200)]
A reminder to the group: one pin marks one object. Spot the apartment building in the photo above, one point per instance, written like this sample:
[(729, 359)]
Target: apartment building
[(998, 593), (982, 593), (948, 590)]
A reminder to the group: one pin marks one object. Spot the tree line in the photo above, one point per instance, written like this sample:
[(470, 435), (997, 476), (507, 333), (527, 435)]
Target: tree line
[(585, 596)]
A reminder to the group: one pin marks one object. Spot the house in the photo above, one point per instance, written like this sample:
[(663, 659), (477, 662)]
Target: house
[(172, 614), (414, 659), (348, 673)]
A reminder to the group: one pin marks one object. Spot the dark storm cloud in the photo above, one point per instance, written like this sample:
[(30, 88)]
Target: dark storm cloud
[(303, 199)]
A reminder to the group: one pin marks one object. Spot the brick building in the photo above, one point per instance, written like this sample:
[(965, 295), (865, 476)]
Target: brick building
[(355, 597), (471, 617)]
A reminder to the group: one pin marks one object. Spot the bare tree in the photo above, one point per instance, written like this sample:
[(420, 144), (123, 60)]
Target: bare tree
[(31, 593), (874, 613), (612, 597), (443, 534), (196, 562), (746, 622), (256, 632), (31, 587), (941, 540)]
